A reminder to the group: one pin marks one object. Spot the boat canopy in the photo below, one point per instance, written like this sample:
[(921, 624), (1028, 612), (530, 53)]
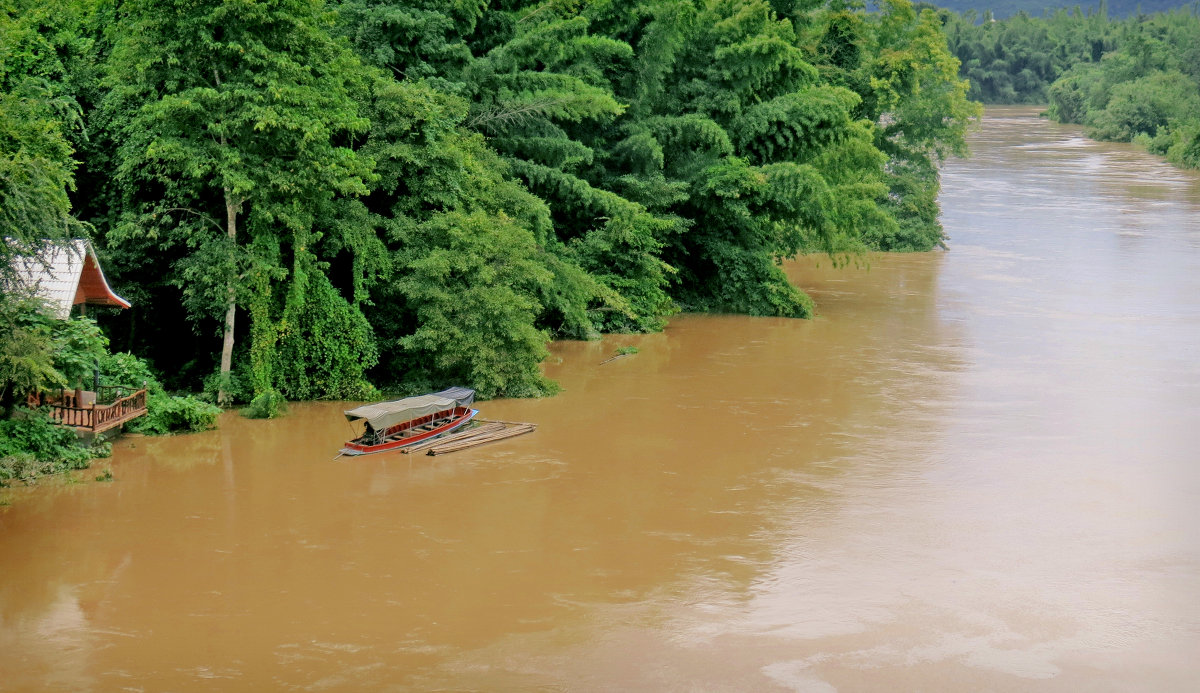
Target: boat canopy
[(463, 395), (384, 415)]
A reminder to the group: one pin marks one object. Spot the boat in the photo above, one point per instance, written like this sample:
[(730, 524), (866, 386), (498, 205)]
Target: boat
[(399, 423)]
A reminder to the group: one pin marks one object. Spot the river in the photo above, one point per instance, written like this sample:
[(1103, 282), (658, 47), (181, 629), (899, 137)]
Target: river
[(974, 470)]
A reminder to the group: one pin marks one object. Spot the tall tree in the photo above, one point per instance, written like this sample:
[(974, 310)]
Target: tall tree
[(37, 119), (233, 120), (898, 62), (733, 135)]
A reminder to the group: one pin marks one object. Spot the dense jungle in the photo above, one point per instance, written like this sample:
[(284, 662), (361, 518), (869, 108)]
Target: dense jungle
[(309, 200), (317, 201), (1132, 79)]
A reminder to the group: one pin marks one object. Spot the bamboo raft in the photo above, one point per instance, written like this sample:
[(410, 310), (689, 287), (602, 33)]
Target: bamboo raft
[(489, 432), (455, 446), (456, 436)]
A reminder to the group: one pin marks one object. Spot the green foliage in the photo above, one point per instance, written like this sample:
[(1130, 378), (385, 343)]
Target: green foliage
[(247, 129), (1136, 79), (78, 345), (37, 117), (235, 385), (433, 174), (31, 445), (325, 345), (422, 193), (1146, 105), (1000, 9), (267, 405), (127, 371), (167, 414), (39, 352), (474, 290), (26, 349), (1146, 90), (32, 432), (540, 96), (1182, 145), (1015, 60)]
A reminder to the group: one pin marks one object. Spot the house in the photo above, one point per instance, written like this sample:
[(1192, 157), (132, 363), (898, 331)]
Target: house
[(68, 275)]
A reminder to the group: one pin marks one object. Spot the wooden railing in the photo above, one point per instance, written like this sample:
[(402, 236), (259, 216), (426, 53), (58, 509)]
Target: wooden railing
[(109, 394), (101, 417)]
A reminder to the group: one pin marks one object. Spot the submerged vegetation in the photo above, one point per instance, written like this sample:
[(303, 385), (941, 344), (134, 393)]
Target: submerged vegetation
[(312, 200), (1135, 79)]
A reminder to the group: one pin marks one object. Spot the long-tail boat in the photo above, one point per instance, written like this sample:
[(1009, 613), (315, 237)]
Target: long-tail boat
[(401, 422)]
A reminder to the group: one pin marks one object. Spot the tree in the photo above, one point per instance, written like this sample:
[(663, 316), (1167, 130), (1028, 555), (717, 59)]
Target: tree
[(37, 116), (233, 120), (26, 350), (731, 139), (1146, 89), (920, 108), (475, 289), (469, 257)]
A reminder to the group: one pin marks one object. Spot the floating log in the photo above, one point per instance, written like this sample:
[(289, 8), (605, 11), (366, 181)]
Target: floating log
[(455, 446), (614, 358), (458, 435)]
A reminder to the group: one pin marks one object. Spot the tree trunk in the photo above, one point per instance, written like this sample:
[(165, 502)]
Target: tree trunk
[(231, 212)]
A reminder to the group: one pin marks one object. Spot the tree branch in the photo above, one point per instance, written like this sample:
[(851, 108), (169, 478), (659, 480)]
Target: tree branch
[(202, 215)]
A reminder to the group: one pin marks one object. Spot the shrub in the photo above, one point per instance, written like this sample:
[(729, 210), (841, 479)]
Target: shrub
[(267, 405), (26, 349), (31, 445), (166, 414), (79, 346), (1185, 148), (126, 370), (235, 384)]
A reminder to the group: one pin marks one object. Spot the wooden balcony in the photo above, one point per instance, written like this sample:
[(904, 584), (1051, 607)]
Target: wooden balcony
[(96, 412)]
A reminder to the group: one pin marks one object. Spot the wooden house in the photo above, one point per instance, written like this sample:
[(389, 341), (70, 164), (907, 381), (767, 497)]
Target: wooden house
[(66, 276)]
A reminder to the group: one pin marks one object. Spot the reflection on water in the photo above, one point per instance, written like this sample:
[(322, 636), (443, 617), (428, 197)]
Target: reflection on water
[(973, 470)]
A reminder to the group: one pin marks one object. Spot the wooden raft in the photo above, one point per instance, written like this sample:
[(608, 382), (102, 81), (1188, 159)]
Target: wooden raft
[(489, 432), (455, 436)]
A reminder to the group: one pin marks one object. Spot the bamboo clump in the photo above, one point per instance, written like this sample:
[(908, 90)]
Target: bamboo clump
[(481, 439)]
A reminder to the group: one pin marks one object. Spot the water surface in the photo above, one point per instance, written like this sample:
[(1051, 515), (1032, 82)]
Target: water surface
[(975, 470)]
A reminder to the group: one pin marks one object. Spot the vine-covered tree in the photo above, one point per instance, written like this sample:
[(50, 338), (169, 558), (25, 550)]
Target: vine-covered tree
[(233, 120)]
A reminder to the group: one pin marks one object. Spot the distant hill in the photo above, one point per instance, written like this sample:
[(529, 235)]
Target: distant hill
[(1036, 8)]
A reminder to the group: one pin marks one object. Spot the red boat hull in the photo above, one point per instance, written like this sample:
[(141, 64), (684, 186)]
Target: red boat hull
[(412, 432)]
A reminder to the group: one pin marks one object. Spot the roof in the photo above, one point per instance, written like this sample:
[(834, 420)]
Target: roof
[(66, 275), (384, 415)]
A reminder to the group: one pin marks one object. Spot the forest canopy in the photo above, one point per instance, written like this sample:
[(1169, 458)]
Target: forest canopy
[(1135, 79), (310, 199), (1003, 9)]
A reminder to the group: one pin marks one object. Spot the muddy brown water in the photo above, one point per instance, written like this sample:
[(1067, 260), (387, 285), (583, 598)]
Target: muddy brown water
[(975, 470)]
